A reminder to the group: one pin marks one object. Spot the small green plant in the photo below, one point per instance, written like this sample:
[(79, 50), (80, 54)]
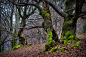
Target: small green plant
[(76, 45), (76, 38), (63, 48), (14, 43), (29, 44), (23, 36), (58, 47), (68, 34), (69, 42), (39, 52), (63, 41), (78, 42), (10, 49), (53, 49), (16, 47), (71, 38), (47, 52), (65, 38)]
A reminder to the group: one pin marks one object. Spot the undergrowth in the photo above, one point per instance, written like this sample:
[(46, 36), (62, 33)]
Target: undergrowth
[(69, 38)]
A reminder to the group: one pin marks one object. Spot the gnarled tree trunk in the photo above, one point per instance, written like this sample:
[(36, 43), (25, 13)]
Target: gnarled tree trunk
[(47, 25)]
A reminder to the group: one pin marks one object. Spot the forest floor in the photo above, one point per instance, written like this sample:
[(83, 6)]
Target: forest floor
[(33, 51)]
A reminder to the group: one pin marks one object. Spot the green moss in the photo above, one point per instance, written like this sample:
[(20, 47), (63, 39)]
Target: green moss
[(45, 24), (10, 49), (23, 36), (45, 14), (50, 34), (0, 43), (14, 43), (50, 43)]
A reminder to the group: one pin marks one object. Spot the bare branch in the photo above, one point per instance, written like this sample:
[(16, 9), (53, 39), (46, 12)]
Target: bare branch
[(25, 4), (63, 14), (19, 12), (70, 10), (31, 13), (37, 1), (30, 28), (83, 17), (82, 14)]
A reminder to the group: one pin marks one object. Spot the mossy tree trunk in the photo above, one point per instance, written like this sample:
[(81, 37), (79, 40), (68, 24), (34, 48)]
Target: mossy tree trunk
[(21, 39), (47, 25), (70, 22), (78, 10)]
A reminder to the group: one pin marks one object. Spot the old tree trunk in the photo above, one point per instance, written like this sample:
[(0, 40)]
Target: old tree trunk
[(47, 25), (70, 22)]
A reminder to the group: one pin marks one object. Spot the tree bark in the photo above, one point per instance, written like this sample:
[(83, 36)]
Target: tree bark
[(78, 10), (20, 31), (72, 26), (47, 25)]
